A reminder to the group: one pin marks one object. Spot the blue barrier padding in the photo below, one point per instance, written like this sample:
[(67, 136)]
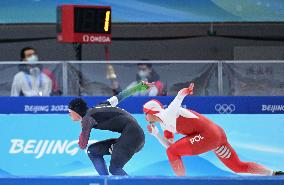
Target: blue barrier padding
[(114, 180), (202, 104)]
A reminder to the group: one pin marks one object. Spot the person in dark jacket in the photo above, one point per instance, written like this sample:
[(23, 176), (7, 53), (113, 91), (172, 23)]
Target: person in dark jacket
[(106, 116), (147, 73)]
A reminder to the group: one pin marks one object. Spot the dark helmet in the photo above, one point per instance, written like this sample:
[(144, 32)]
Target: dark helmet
[(79, 106)]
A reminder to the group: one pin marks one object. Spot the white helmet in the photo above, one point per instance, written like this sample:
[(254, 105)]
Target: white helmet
[(152, 107)]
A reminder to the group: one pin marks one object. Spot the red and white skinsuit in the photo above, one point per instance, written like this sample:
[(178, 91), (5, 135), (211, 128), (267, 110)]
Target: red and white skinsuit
[(201, 135)]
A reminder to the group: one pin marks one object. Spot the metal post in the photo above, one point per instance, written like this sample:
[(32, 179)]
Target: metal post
[(65, 78), (107, 54), (78, 55), (78, 50), (220, 78), (211, 31)]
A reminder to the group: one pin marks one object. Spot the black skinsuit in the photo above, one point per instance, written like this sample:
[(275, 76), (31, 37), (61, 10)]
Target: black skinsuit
[(104, 117)]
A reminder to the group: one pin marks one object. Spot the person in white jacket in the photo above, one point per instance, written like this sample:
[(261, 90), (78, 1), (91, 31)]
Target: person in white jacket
[(30, 80)]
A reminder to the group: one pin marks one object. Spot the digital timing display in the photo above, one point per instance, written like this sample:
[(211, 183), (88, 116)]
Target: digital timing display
[(84, 24), (90, 20)]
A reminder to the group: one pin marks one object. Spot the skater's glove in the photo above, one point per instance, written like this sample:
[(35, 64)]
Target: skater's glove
[(187, 91), (143, 85), (153, 129)]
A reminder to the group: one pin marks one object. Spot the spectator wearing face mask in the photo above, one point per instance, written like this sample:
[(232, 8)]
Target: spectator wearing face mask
[(148, 74), (30, 80), (29, 54)]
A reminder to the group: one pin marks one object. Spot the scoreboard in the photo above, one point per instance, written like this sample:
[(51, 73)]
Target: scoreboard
[(84, 24)]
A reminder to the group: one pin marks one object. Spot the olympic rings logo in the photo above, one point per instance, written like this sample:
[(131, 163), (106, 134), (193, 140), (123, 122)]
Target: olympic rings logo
[(225, 108)]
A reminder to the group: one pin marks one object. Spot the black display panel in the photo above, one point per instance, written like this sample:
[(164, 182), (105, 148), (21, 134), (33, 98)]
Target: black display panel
[(92, 20)]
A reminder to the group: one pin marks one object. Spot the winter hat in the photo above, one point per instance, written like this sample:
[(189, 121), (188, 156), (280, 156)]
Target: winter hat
[(79, 106)]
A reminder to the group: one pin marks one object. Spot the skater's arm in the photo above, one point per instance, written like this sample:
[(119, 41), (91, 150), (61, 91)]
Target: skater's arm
[(165, 142), (155, 132), (86, 125), (169, 136), (142, 86), (176, 103)]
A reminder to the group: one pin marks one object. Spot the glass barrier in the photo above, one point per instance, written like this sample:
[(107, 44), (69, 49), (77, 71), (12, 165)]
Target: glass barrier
[(95, 78), (6, 78), (38, 79), (253, 79)]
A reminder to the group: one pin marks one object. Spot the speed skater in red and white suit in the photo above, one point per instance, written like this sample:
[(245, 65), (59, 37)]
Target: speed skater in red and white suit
[(200, 135)]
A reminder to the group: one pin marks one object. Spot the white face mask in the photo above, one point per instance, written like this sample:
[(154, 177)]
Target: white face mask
[(34, 71), (143, 74), (32, 58)]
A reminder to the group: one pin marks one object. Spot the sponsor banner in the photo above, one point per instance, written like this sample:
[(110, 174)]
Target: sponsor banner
[(47, 144), (39, 148), (202, 104)]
